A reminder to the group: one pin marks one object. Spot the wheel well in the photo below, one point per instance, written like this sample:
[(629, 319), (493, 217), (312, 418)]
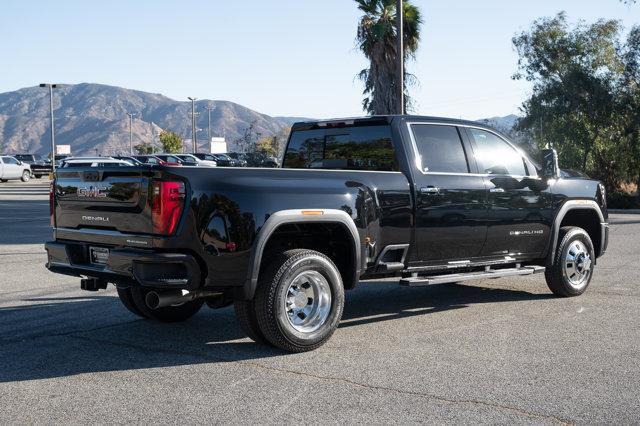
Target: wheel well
[(331, 239), (588, 220)]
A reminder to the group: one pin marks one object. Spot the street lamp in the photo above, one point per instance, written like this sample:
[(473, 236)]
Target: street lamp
[(193, 123), (130, 132), (209, 108), (400, 50), (51, 86)]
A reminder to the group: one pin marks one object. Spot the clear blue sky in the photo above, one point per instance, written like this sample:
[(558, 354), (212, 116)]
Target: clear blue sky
[(279, 57)]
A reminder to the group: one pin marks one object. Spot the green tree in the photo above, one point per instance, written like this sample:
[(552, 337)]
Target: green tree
[(267, 145), (171, 142), (575, 72), (376, 38), (144, 148)]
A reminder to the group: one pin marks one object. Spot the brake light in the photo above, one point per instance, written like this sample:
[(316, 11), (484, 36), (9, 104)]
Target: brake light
[(51, 202), (166, 206)]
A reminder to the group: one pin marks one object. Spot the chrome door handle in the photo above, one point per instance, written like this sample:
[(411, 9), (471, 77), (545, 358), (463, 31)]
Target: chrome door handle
[(496, 190), (430, 190)]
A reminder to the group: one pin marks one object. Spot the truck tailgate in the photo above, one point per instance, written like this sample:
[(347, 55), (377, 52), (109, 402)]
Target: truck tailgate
[(109, 198)]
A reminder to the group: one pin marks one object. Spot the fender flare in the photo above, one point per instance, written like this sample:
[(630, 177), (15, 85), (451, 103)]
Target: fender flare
[(575, 205), (296, 216)]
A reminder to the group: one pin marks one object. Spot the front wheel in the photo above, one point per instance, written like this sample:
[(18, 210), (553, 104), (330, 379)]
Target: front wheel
[(299, 300), (26, 175), (572, 268)]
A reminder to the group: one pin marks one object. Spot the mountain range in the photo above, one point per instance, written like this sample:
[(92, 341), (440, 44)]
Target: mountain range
[(93, 119)]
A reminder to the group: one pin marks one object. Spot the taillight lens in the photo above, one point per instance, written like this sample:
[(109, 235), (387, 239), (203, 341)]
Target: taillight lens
[(51, 202), (167, 205)]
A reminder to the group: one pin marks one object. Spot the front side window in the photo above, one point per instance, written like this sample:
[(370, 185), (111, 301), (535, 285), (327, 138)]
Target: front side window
[(495, 156), (440, 148), (9, 160), (349, 148)]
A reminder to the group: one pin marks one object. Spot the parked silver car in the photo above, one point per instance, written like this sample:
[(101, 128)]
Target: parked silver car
[(12, 168)]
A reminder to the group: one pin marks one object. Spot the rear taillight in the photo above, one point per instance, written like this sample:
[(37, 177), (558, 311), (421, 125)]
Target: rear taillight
[(51, 202), (167, 204)]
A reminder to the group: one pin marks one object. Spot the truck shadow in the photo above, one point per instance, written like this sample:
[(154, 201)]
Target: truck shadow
[(58, 337)]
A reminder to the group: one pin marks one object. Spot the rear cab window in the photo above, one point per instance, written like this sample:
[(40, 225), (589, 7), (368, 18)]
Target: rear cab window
[(345, 148)]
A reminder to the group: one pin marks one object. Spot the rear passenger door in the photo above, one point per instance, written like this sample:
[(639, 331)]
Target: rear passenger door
[(451, 211), (520, 208)]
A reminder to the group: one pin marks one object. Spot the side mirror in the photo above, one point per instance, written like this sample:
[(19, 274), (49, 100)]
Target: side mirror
[(19, 163), (550, 167)]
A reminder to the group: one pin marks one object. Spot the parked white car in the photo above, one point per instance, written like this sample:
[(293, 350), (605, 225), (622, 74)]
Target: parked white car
[(12, 168), (200, 162), (94, 162)]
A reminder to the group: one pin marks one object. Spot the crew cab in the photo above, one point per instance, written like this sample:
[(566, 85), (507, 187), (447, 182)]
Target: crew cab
[(429, 200)]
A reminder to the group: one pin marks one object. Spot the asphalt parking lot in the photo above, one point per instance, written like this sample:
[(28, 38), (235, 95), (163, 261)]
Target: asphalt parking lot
[(499, 351)]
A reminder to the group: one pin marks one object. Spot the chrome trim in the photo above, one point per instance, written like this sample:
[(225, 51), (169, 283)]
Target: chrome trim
[(418, 157), (403, 247), (570, 205), (295, 216)]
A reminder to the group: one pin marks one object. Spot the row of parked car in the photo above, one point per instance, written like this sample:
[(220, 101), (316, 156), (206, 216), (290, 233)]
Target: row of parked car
[(196, 159), (23, 167), (27, 166)]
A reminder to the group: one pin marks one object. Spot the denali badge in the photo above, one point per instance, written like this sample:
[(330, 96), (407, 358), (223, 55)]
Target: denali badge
[(96, 218), (527, 232), (92, 192)]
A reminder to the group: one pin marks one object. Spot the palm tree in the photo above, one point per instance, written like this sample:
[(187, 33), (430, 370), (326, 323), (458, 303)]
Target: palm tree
[(377, 40)]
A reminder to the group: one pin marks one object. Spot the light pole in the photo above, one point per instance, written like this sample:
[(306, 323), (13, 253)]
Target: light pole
[(130, 114), (400, 51), (209, 108), (53, 134), (193, 123)]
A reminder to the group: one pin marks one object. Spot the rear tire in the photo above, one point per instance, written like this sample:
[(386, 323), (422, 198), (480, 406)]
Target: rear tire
[(3, 180), (246, 315), (175, 313), (572, 267), (299, 300), (26, 176), (124, 293)]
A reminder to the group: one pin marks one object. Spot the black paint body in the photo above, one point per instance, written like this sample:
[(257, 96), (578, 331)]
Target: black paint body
[(464, 221)]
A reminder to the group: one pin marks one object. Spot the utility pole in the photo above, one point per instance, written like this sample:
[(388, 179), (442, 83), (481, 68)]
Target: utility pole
[(53, 134), (130, 132), (400, 52), (193, 123), (209, 108)]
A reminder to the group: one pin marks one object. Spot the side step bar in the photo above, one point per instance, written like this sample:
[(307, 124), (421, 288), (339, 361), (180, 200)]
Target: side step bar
[(418, 281)]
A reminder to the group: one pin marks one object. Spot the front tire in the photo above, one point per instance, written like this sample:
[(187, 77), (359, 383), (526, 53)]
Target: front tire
[(299, 300), (572, 268), (26, 176)]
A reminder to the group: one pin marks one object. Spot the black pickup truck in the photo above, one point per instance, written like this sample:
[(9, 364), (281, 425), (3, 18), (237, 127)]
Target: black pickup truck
[(429, 200)]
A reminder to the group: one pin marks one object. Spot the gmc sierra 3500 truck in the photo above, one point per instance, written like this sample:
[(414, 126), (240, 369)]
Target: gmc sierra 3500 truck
[(430, 200)]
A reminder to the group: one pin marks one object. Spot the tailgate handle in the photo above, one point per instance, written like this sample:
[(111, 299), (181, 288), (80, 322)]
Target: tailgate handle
[(92, 176)]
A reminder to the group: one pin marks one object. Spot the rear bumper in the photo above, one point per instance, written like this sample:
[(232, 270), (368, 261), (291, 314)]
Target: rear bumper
[(126, 266)]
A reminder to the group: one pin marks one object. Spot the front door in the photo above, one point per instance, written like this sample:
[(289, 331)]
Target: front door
[(451, 199), (11, 168), (520, 208)]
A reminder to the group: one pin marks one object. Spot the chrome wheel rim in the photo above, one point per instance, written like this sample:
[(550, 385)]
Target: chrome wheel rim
[(577, 264), (308, 301)]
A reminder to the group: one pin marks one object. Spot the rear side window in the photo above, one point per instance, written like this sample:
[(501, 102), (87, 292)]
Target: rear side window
[(495, 156), (441, 148), (349, 148)]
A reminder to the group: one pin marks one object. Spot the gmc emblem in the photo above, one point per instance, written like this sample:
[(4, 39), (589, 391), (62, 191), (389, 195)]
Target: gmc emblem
[(92, 192)]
